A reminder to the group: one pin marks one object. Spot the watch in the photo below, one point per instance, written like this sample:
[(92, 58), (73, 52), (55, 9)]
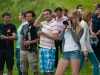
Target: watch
[(7, 37)]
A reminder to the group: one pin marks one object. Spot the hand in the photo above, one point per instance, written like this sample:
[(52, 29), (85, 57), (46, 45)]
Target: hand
[(3, 37), (42, 12), (69, 24), (85, 53), (40, 33), (65, 26), (26, 43), (93, 37), (93, 33)]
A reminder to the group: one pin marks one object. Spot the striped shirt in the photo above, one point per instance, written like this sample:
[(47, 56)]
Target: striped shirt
[(50, 28)]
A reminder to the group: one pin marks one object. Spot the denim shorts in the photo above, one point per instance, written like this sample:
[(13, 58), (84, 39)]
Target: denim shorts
[(71, 55), (47, 59)]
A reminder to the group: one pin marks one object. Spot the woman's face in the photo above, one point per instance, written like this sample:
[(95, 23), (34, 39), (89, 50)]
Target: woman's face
[(70, 16), (98, 10), (89, 17)]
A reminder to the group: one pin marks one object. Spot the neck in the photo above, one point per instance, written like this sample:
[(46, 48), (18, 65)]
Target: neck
[(49, 20), (6, 23), (59, 17), (24, 20), (88, 22), (30, 22)]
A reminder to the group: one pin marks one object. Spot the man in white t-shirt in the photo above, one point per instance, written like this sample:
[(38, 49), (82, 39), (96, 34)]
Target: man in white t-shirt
[(48, 34)]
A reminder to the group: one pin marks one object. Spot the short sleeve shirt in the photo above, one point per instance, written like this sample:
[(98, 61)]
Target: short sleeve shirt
[(50, 28), (96, 24), (33, 36), (7, 30)]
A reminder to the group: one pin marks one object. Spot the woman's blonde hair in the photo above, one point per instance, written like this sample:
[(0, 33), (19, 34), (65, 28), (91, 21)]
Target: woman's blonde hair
[(86, 14), (76, 25)]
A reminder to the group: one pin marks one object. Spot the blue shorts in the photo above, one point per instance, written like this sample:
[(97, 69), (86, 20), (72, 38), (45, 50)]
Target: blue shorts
[(71, 55), (47, 59)]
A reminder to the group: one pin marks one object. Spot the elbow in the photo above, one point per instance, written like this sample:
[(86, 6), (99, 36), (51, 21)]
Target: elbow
[(14, 38), (35, 24), (56, 38)]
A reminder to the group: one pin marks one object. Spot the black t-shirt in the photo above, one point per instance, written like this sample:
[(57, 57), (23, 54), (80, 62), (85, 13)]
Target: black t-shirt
[(7, 30), (96, 24), (33, 32)]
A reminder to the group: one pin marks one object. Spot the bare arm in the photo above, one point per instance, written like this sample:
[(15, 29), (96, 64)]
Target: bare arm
[(90, 26), (9, 37), (21, 42), (31, 41), (37, 22), (51, 36), (98, 33)]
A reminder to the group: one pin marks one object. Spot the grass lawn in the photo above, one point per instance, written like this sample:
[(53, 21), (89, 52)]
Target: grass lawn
[(86, 70)]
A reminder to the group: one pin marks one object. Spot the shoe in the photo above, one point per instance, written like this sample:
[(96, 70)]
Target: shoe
[(5, 74)]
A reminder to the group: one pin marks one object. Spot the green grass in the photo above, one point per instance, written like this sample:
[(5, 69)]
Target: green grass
[(86, 70), (15, 6)]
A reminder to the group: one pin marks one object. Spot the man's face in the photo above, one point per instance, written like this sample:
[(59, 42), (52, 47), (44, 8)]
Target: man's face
[(80, 7), (47, 15), (20, 17), (58, 13), (29, 17), (6, 19), (95, 6)]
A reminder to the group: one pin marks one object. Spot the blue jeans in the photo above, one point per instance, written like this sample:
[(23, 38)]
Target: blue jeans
[(18, 61), (93, 59)]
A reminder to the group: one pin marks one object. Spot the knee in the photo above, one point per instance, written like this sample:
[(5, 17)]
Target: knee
[(24, 73), (57, 73), (74, 73)]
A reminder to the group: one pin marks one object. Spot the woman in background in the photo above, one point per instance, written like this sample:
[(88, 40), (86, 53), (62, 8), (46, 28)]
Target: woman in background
[(87, 50)]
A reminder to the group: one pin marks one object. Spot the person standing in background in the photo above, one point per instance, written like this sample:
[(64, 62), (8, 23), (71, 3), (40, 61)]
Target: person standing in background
[(8, 34), (95, 31), (65, 11), (86, 48), (95, 8), (22, 18), (79, 7), (59, 19)]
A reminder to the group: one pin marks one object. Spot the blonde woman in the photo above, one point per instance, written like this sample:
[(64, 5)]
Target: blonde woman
[(87, 50), (71, 36)]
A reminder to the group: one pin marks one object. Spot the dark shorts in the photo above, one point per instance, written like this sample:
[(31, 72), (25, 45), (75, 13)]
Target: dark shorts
[(8, 56)]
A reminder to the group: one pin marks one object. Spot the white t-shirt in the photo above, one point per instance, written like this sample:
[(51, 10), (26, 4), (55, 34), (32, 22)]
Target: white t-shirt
[(70, 44), (50, 28)]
